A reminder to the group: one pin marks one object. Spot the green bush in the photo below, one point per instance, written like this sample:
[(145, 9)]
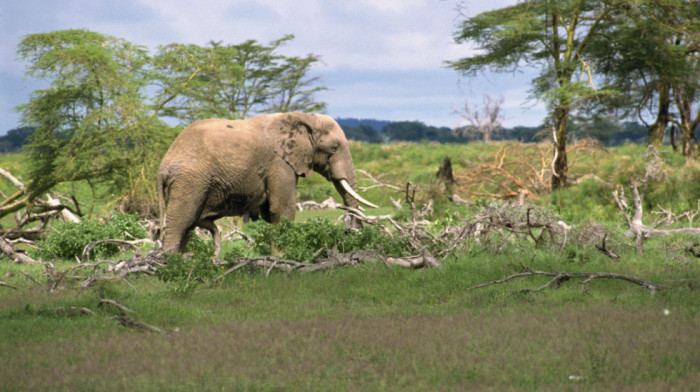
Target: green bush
[(68, 239), (187, 272), (305, 241)]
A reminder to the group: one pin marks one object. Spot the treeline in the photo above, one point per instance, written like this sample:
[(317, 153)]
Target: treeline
[(606, 131)]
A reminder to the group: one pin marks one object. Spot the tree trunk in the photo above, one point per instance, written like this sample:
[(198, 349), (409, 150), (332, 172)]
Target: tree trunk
[(445, 171), (689, 150), (560, 165), (658, 128), (687, 124)]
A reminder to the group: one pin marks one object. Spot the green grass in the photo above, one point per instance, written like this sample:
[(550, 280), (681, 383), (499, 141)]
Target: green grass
[(364, 328)]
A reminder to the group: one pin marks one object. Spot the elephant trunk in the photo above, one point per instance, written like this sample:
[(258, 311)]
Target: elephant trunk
[(340, 167), (342, 174)]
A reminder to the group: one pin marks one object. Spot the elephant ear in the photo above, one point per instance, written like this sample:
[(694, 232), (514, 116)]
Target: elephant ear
[(292, 142)]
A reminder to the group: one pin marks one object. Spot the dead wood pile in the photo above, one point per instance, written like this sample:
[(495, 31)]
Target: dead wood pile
[(32, 216)]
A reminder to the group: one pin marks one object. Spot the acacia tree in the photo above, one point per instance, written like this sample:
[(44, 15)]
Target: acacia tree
[(551, 35), (232, 81), (649, 54), (686, 89), (91, 121)]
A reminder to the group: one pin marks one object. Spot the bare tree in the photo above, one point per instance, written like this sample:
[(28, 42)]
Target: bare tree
[(484, 120)]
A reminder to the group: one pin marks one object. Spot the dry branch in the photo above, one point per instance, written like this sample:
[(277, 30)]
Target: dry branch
[(333, 260), (376, 182), (134, 324), (637, 228), (39, 209), (15, 254), (328, 204), (515, 171), (122, 308), (85, 256), (9, 286), (604, 248), (559, 277), (76, 309), (126, 320)]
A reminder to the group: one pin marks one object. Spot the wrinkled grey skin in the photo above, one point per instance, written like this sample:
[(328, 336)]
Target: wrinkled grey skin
[(219, 167)]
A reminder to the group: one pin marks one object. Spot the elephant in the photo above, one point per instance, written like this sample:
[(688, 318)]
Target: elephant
[(219, 167)]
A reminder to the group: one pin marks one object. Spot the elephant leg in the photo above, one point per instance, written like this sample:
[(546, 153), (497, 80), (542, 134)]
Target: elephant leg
[(281, 197), (180, 216), (215, 234), (184, 240)]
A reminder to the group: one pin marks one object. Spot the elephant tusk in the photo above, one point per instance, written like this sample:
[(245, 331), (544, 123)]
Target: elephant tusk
[(354, 194)]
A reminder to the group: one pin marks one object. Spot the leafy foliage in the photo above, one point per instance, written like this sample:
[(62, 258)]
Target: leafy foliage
[(91, 122), (232, 81), (307, 240), (649, 54), (188, 272), (67, 239)]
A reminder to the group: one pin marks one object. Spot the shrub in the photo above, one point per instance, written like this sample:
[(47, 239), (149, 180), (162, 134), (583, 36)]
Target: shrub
[(68, 239), (305, 241), (187, 272)]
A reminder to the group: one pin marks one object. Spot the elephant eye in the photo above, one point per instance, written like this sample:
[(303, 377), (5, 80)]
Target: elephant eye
[(334, 148)]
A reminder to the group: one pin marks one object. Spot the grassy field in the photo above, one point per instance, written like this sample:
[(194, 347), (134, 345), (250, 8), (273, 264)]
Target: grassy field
[(374, 327), (364, 328)]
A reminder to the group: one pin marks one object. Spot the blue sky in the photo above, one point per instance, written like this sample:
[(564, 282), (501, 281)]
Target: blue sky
[(381, 59)]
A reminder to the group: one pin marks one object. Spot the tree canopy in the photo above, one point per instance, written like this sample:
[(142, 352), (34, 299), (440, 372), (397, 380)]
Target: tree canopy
[(91, 121), (649, 54), (233, 81)]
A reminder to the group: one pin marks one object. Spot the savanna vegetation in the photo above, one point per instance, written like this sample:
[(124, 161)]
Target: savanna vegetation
[(185, 323), (521, 266)]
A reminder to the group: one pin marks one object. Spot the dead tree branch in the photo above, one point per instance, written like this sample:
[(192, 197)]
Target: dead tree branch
[(134, 324), (637, 228), (111, 302), (333, 260), (85, 256), (9, 286), (328, 204), (559, 277), (16, 255), (604, 248), (27, 212), (376, 182), (126, 320)]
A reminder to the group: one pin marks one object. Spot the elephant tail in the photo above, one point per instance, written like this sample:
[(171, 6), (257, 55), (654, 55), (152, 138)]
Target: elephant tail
[(162, 178)]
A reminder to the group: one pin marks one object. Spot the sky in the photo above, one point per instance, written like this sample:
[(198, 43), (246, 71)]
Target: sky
[(380, 59)]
